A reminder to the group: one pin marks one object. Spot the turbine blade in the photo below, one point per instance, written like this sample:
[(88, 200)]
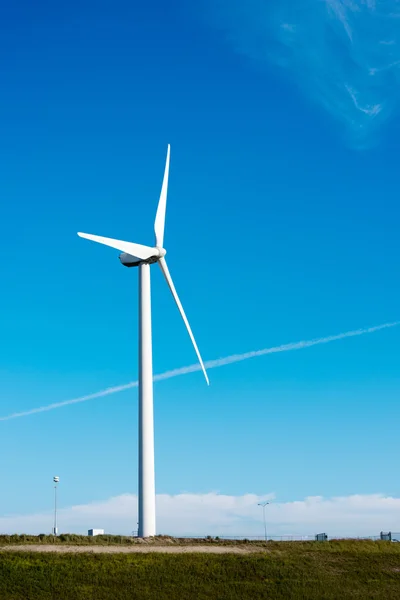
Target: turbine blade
[(164, 269), (159, 223), (142, 252)]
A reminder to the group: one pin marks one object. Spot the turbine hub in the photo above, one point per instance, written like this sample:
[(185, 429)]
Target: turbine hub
[(162, 251)]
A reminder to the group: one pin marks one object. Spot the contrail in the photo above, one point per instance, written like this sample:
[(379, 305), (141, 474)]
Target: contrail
[(211, 364)]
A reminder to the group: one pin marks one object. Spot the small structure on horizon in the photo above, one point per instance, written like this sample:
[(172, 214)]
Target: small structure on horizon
[(93, 532), (387, 536), (321, 537)]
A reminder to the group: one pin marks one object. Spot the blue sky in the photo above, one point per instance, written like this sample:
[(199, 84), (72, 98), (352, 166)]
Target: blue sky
[(281, 226)]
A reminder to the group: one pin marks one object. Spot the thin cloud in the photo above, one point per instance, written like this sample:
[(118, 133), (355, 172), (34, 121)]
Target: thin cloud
[(211, 364), (219, 514), (343, 54)]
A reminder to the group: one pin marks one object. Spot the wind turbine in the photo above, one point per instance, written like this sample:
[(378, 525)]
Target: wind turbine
[(137, 255)]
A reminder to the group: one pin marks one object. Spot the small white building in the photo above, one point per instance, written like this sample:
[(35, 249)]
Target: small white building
[(93, 532)]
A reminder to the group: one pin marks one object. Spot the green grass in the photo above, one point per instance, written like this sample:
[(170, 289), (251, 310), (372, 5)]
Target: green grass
[(331, 570)]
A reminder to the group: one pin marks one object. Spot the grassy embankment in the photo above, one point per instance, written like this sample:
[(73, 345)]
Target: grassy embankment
[(300, 570)]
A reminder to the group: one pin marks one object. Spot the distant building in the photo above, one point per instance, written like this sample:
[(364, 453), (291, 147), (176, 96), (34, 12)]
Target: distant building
[(93, 532)]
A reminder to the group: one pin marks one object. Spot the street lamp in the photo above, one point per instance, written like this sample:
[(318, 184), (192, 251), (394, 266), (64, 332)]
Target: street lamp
[(56, 480), (264, 504)]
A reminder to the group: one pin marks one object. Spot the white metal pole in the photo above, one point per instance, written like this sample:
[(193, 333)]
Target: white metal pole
[(147, 494), (264, 504), (56, 479), (55, 509), (265, 523)]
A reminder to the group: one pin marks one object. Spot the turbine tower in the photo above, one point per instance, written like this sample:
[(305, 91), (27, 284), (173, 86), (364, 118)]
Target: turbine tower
[(137, 255)]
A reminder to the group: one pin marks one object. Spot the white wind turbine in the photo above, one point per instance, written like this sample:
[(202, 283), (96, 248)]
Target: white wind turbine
[(136, 255)]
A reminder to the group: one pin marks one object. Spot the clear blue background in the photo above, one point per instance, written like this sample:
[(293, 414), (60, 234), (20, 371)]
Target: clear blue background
[(276, 232)]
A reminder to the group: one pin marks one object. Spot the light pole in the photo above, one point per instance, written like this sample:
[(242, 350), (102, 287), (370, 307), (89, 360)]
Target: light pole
[(56, 480), (264, 504)]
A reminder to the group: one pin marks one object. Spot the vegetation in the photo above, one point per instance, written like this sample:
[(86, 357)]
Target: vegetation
[(107, 540), (298, 570)]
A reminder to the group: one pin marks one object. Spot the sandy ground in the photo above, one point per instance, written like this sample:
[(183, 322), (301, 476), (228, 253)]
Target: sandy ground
[(132, 549)]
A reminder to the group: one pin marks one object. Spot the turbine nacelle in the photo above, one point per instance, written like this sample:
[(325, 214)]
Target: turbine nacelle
[(127, 260)]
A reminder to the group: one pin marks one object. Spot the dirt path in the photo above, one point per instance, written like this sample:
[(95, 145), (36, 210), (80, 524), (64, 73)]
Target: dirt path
[(140, 549)]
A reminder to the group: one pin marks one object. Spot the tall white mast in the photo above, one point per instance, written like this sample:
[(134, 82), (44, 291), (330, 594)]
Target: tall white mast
[(147, 493)]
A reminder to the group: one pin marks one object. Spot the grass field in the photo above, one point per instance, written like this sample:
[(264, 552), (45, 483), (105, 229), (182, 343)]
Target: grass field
[(300, 570)]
